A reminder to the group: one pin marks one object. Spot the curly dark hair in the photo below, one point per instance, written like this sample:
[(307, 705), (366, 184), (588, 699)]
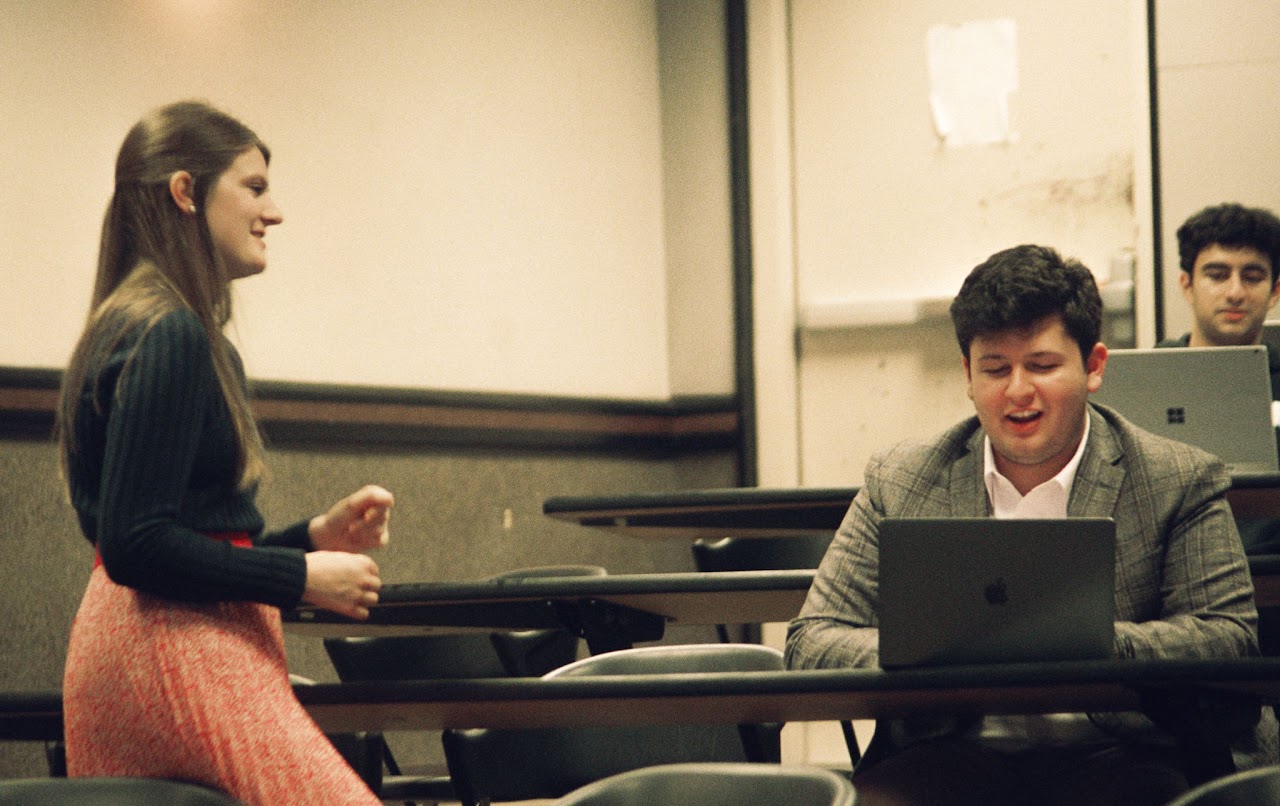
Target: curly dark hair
[(1231, 225), (1017, 287)]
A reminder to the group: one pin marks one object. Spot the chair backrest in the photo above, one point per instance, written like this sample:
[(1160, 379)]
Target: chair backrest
[(508, 765), (1257, 787), (717, 784), (760, 553), (542, 571), (768, 554), (413, 657), (109, 792), (676, 658), (527, 653)]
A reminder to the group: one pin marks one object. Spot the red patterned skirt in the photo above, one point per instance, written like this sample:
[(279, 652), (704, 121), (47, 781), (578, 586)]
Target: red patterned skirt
[(200, 692)]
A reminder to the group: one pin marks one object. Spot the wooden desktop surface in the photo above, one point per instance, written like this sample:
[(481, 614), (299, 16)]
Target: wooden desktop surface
[(786, 511), (753, 512), (635, 605), (614, 611), (712, 513), (734, 698), (792, 696)]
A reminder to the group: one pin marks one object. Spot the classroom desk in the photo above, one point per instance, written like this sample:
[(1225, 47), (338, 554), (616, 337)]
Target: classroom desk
[(791, 696), (734, 698), (803, 512), (788, 512), (712, 513), (610, 612)]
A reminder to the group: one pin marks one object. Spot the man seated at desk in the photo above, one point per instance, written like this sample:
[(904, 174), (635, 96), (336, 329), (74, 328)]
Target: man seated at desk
[(1230, 258), (1028, 323)]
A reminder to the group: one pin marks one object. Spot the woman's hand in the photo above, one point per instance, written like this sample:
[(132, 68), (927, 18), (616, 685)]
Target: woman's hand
[(356, 523), (343, 582)]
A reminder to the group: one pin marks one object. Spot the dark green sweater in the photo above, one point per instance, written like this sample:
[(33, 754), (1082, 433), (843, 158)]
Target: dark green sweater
[(156, 469)]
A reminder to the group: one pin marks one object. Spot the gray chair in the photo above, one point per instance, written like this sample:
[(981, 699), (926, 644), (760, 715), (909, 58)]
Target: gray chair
[(109, 792), (758, 554), (717, 785), (509, 765), (1257, 787), (768, 554), (526, 653)]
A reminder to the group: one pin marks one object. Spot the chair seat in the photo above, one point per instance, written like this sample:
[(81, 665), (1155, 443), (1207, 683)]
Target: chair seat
[(1257, 787), (109, 792), (501, 765), (525, 653), (717, 784), (434, 788)]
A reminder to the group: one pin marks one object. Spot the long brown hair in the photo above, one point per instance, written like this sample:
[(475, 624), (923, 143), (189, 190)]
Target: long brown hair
[(154, 258)]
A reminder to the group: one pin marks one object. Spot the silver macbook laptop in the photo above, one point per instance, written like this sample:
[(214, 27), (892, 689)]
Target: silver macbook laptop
[(1216, 398), (981, 590)]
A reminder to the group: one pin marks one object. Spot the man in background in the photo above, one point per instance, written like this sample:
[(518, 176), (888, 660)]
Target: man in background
[(1230, 256), (1230, 259)]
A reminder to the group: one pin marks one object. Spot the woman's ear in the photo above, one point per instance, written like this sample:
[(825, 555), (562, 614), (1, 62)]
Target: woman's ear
[(181, 188)]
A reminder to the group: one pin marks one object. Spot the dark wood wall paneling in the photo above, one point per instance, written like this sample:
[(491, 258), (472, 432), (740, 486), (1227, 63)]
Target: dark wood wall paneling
[(292, 413)]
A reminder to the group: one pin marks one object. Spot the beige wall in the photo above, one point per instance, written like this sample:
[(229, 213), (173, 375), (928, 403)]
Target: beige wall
[(697, 210), (885, 212), (855, 200), (479, 194), (1218, 78)]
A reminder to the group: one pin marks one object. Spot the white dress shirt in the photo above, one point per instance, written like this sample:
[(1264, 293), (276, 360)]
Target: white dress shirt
[(1047, 500)]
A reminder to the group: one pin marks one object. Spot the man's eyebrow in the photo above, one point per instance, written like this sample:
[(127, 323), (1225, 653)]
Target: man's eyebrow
[(1037, 355), (1252, 264)]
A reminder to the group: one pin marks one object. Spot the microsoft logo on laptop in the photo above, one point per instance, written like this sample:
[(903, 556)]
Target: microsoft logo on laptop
[(1176, 415)]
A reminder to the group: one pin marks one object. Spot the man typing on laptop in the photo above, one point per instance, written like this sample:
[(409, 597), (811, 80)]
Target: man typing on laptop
[(1028, 325)]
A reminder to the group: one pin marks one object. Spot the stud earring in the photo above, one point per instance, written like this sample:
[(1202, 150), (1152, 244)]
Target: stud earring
[(191, 209)]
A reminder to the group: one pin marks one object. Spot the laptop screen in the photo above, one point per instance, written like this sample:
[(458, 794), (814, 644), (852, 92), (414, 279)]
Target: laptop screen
[(1216, 398), (981, 590)]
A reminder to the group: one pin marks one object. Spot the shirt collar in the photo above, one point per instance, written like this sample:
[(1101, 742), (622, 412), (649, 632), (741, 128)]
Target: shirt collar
[(1047, 500)]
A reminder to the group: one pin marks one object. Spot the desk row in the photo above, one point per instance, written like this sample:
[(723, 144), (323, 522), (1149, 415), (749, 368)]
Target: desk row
[(733, 697), (790, 512), (611, 611)]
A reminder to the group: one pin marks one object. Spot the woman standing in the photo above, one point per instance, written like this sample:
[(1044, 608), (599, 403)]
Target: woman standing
[(176, 665)]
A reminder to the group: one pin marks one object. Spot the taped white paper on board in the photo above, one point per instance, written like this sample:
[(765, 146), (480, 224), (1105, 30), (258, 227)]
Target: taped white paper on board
[(973, 68)]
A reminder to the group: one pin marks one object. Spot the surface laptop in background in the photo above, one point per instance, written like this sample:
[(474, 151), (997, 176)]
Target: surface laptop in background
[(1216, 398), (981, 590)]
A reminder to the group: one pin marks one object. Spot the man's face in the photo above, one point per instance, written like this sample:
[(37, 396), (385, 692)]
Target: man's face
[(1230, 292), (1030, 387)]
